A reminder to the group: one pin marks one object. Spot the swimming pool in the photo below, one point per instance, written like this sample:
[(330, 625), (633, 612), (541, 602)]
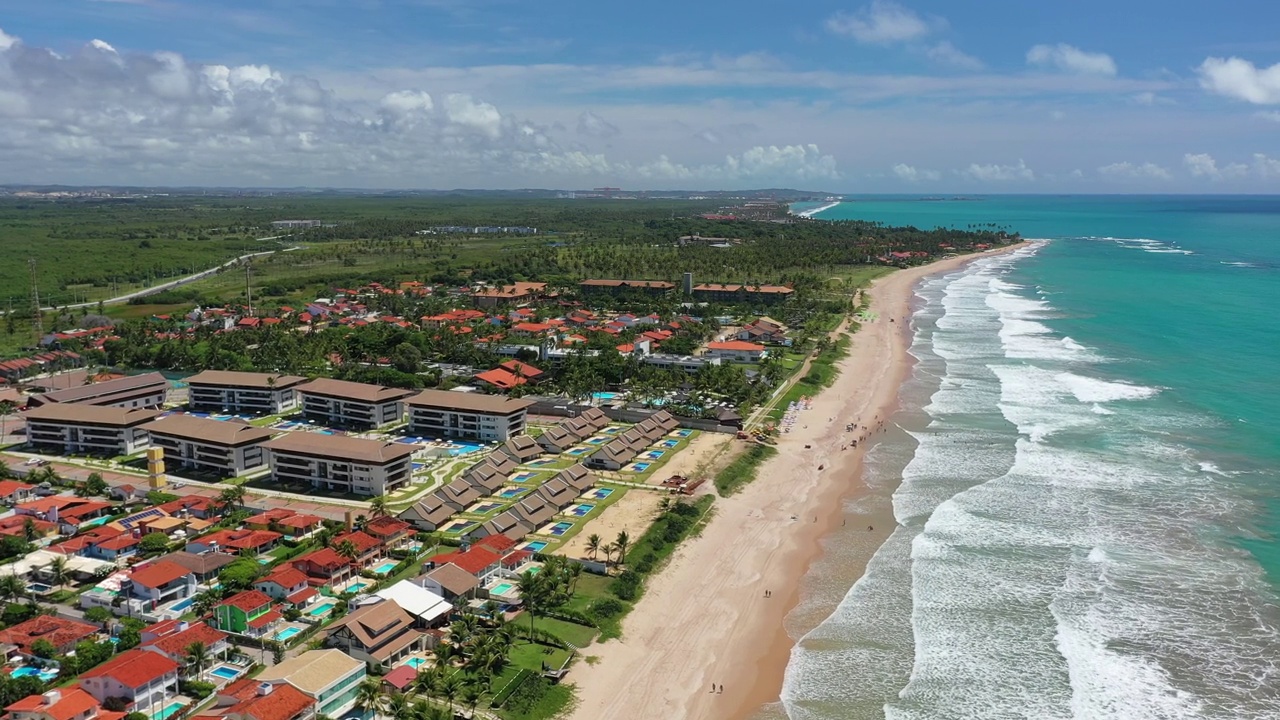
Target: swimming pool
[(285, 634), (639, 467), (511, 492), (386, 567), (97, 521), (418, 466), (485, 507), (560, 528), (611, 430), (463, 448), (39, 588), (522, 476), (356, 587), (183, 604), (669, 443), (321, 609), (45, 675), (168, 711), (603, 395), (457, 526), (598, 493), (598, 441), (226, 672), (540, 462), (579, 451), (286, 425), (536, 546), (653, 454), (416, 663), (501, 589), (682, 432), (581, 509)]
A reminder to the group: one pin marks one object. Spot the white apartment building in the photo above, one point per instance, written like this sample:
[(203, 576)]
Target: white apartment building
[(736, 351), (351, 404), (470, 416), (243, 392), (685, 363), (74, 429), (340, 463), (226, 449)]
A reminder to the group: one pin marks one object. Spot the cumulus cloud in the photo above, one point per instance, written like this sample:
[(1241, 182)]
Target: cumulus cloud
[(1128, 170), (592, 125), (1241, 80), (1071, 59), (883, 22), (7, 41), (1266, 167), (912, 174), (1204, 165), (761, 163), (947, 54), (999, 173)]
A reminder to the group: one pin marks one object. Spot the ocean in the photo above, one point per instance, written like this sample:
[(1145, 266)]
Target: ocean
[(1085, 474)]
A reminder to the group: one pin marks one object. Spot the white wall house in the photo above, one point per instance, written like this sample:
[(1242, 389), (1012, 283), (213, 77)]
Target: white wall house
[(736, 351), (340, 463), (243, 392), (470, 416)]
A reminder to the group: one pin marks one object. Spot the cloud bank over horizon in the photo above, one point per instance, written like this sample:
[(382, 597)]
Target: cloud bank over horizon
[(930, 114)]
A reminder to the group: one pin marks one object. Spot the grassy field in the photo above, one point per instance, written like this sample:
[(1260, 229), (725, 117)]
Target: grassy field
[(743, 469)]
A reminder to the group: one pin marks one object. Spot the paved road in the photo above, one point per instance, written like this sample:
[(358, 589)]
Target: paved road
[(170, 284)]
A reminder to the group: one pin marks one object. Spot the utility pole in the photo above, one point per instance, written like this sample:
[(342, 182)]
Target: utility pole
[(37, 318)]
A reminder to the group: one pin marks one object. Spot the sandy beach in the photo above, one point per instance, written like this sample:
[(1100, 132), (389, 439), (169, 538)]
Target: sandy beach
[(705, 619)]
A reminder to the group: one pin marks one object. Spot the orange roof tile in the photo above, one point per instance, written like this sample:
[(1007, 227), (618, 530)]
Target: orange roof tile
[(134, 668)]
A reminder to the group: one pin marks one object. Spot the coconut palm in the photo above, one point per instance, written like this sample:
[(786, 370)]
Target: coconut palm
[(575, 571), (197, 658), (427, 680), (608, 551), (450, 688), (397, 705), (231, 498), (347, 549), (471, 694), (378, 506), (12, 587), (493, 662), (59, 571), (369, 695), (533, 591), (620, 544), (593, 544)]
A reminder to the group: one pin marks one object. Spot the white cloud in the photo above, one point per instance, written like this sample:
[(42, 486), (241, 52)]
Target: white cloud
[(1204, 165), (7, 41), (948, 54), (1129, 170), (883, 22), (1071, 59), (102, 45), (592, 125), (1265, 166), (760, 163), (999, 173), (912, 174), (1240, 79)]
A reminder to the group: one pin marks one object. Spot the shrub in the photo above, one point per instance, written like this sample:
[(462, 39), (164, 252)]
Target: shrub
[(605, 608)]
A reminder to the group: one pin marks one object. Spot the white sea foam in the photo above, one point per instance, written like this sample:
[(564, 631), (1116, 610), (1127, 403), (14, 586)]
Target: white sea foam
[(1093, 390), (814, 211)]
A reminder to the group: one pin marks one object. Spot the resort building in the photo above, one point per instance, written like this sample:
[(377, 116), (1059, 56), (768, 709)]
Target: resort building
[(688, 364), (339, 463), (284, 583), (534, 511), (717, 292), (622, 287), (485, 476), (460, 494), (246, 613), (146, 680), (763, 330), (577, 477), (351, 404), (471, 416), (137, 391), (430, 513), (558, 439), (381, 634), (557, 493), (72, 429), (519, 293), (508, 523), (329, 677), (736, 351), (225, 449), (243, 392), (391, 534)]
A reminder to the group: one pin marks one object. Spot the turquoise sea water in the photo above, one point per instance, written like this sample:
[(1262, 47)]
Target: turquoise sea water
[(1089, 467)]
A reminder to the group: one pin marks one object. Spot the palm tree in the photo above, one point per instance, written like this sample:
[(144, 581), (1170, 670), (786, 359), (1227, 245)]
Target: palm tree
[(593, 544), (397, 705), (450, 688), (575, 571), (427, 681), (533, 591), (378, 506), (347, 549), (608, 551), (471, 697), (493, 662), (11, 587), (369, 695), (620, 544), (198, 658), (59, 571), (231, 497)]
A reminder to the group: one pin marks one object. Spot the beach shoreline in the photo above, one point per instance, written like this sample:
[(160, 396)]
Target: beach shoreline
[(705, 620)]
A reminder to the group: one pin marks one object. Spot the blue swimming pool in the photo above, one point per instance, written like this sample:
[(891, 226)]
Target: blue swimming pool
[(321, 609), (511, 492), (386, 567), (581, 509), (419, 466), (604, 396), (579, 451), (456, 526), (356, 587), (285, 634), (523, 476), (463, 448), (486, 507), (600, 493), (416, 662), (653, 454), (30, 671), (669, 443), (640, 466), (183, 604), (226, 672), (168, 711), (560, 528), (598, 441), (536, 546)]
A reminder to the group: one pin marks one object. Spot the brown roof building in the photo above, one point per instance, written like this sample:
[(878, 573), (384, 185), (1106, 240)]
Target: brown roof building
[(351, 404), (380, 633), (339, 463), (243, 392), (136, 391), (449, 414)]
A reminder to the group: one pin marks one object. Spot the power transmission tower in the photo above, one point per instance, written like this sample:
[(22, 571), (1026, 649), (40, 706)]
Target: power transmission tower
[(37, 317)]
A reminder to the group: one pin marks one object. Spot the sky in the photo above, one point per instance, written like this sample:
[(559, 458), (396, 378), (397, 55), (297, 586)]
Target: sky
[(924, 96)]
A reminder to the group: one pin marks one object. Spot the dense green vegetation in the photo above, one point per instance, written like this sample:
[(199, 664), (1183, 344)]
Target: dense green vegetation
[(743, 469)]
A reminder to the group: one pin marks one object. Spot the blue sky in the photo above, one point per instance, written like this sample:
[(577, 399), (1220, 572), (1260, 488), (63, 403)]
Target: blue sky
[(996, 96)]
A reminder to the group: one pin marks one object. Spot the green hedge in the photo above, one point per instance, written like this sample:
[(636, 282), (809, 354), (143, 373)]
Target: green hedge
[(521, 676), (742, 470)]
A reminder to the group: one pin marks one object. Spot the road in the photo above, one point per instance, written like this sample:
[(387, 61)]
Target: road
[(170, 284)]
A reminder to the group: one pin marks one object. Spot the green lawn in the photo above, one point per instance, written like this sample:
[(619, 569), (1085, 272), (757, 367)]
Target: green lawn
[(577, 635)]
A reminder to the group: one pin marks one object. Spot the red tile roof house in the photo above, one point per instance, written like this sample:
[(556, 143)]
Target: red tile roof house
[(62, 633), (68, 703), (390, 531), (160, 582), (145, 679), (248, 699), (290, 523), (368, 548), (287, 583), (171, 638), (324, 567), (193, 505), (499, 378), (243, 542), (480, 562), (13, 492)]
